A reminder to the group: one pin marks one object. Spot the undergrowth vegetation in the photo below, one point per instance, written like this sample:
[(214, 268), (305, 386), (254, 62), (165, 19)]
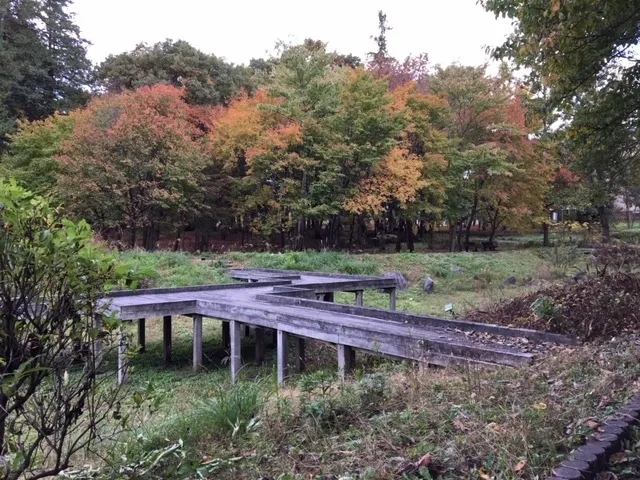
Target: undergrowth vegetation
[(601, 302), (475, 423)]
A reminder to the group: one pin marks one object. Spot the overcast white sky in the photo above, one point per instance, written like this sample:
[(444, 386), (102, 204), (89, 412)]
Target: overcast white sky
[(447, 30)]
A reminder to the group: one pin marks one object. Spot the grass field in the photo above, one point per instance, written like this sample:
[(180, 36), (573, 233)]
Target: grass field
[(476, 423)]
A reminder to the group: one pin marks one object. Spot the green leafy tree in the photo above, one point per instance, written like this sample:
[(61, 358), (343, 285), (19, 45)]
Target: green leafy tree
[(207, 79), (31, 157), (582, 56)]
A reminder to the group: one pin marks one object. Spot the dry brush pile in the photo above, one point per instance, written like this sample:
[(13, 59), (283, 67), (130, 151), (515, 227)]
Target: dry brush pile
[(600, 302)]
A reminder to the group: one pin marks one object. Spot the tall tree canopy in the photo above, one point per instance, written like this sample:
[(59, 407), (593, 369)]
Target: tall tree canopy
[(135, 160), (43, 63), (583, 59), (207, 79)]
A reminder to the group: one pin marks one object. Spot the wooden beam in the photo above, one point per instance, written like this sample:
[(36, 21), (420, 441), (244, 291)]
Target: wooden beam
[(235, 357), (142, 341), (392, 299), (359, 298), (122, 359), (346, 358), (197, 343), (166, 338), (283, 357), (259, 345), (300, 354)]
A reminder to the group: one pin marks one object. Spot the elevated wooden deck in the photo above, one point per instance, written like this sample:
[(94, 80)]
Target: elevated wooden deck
[(300, 304)]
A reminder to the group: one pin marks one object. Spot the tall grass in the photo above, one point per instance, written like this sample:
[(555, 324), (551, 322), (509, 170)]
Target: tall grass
[(311, 261), (175, 269), (229, 413)]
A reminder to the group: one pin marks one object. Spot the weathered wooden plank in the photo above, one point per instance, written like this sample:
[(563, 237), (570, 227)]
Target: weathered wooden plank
[(122, 359), (197, 343), (359, 298), (235, 359), (390, 338), (392, 299), (191, 289), (427, 321), (345, 360), (283, 356)]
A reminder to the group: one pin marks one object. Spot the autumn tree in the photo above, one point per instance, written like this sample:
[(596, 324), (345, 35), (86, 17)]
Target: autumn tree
[(582, 55), (256, 149), (135, 160)]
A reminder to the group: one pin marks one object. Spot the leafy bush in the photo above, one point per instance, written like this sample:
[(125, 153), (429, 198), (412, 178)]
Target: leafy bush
[(52, 278)]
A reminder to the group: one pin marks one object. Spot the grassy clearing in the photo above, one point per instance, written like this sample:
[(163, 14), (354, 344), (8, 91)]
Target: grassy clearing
[(175, 269), (474, 422)]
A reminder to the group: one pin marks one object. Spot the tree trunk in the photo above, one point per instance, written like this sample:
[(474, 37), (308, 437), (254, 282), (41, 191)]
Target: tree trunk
[(603, 213), (452, 236), (299, 238), (353, 226), (134, 237), (430, 236), (150, 236), (334, 232), (545, 234), (399, 236), (409, 227)]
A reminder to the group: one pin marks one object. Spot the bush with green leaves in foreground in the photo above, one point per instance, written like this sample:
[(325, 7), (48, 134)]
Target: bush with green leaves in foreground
[(53, 397)]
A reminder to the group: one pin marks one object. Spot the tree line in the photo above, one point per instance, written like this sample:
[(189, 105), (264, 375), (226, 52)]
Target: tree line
[(307, 144)]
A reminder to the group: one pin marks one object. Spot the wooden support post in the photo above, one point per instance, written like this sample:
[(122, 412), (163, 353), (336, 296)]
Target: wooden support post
[(300, 354), (235, 357), (122, 359), (226, 339), (346, 357), (359, 298), (142, 342), (259, 345), (97, 343), (197, 343), (166, 338), (328, 297), (283, 350), (392, 299), (247, 331)]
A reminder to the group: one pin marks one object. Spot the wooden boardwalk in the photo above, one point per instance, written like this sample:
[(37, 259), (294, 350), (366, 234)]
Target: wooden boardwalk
[(300, 304)]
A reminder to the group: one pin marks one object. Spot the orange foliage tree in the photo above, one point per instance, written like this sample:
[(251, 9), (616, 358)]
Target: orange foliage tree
[(135, 160)]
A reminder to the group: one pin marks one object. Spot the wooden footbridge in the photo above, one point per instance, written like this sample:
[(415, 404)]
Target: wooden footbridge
[(300, 304)]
